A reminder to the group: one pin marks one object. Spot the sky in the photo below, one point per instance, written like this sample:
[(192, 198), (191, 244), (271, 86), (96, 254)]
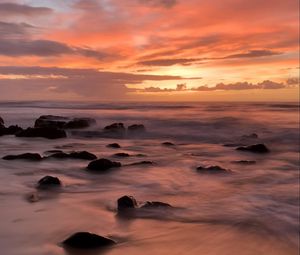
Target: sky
[(149, 50)]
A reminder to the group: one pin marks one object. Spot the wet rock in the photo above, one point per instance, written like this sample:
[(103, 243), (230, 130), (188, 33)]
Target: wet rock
[(1, 122), (11, 130), (45, 132), (26, 156), (244, 162), (145, 162), (51, 121), (102, 165), (256, 148), (213, 170), (122, 155), (86, 240), (136, 128), (113, 145), (115, 128), (169, 144), (78, 123), (85, 155), (155, 204), (48, 182), (126, 202)]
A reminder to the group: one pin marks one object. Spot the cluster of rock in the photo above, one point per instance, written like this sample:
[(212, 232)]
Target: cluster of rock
[(119, 129), (11, 130)]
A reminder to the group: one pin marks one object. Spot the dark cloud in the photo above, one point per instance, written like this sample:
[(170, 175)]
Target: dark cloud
[(293, 81), (159, 3), (168, 62), (14, 30), (44, 48), (8, 9), (253, 54)]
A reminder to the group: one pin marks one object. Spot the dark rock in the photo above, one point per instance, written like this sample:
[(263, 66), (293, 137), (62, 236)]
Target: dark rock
[(244, 162), (11, 130), (145, 162), (80, 123), (256, 148), (126, 202), (155, 204), (136, 128), (113, 145), (102, 164), (212, 170), (86, 240), (51, 121), (1, 122), (115, 128), (46, 132), (26, 156), (168, 144), (74, 155), (122, 155), (48, 182)]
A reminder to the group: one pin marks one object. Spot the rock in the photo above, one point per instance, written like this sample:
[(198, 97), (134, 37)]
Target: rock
[(45, 132), (74, 155), (212, 170), (1, 122), (136, 128), (51, 121), (250, 136), (11, 130), (86, 240), (122, 155), (80, 123), (244, 162), (168, 144), (113, 145), (256, 148), (145, 162), (102, 164), (155, 204), (48, 182), (26, 156), (126, 202), (115, 128)]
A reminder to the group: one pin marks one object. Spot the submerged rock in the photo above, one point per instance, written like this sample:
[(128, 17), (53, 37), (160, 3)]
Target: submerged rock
[(155, 204), (102, 164), (145, 162), (80, 123), (85, 155), (244, 162), (86, 240), (11, 130), (122, 155), (136, 128), (126, 202), (45, 132), (48, 182), (256, 148), (113, 145), (213, 170), (26, 156), (115, 127), (168, 144)]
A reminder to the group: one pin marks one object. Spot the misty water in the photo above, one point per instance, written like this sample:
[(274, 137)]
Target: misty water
[(254, 210)]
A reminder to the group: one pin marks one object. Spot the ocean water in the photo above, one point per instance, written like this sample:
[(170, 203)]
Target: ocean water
[(254, 210)]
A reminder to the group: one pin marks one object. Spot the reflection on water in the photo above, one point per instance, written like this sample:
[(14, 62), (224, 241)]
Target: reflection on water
[(253, 211)]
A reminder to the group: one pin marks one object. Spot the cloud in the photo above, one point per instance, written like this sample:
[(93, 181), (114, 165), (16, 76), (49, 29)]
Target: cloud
[(167, 62), (292, 81), (14, 30), (253, 54), (159, 3), (44, 48), (10, 9)]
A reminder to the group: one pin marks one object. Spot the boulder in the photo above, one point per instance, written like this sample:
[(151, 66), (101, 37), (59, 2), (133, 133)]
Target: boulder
[(45, 132), (11, 130), (122, 155), (113, 145), (145, 162), (51, 121), (255, 148), (102, 165), (168, 144), (155, 204), (126, 202), (86, 240), (48, 182), (85, 155), (212, 170), (136, 128), (115, 128), (26, 156), (79, 123)]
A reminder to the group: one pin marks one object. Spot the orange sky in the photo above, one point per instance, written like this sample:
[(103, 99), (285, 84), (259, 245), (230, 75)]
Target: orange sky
[(205, 50)]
